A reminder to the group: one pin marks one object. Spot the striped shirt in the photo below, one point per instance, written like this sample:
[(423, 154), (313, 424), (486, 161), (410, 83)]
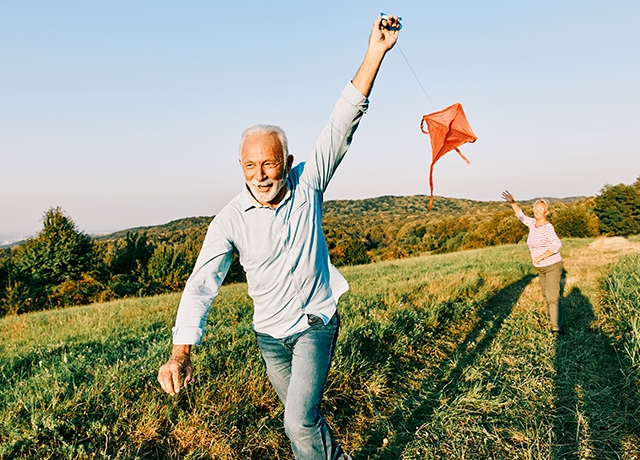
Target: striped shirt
[(540, 240)]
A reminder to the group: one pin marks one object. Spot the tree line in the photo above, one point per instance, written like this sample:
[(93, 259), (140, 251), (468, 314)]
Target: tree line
[(62, 266)]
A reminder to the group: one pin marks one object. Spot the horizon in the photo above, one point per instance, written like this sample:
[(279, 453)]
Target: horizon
[(128, 114), (11, 240)]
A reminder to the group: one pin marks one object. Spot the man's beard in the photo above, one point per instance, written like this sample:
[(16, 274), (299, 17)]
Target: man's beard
[(269, 195)]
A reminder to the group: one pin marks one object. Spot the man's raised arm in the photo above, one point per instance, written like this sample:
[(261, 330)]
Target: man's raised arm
[(383, 37)]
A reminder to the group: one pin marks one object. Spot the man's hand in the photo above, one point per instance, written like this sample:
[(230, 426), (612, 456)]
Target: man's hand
[(170, 372), (381, 40), (384, 33)]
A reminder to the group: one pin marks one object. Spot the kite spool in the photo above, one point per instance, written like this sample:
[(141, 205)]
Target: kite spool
[(384, 16)]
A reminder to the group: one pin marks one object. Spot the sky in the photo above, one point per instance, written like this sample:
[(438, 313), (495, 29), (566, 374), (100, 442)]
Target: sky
[(129, 113)]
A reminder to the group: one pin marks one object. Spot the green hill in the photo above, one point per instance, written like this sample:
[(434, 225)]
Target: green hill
[(158, 259), (445, 356), (179, 225), (381, 207), (373, 229)]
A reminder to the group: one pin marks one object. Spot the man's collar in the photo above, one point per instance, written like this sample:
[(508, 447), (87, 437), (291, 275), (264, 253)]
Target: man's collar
[(249, 201)]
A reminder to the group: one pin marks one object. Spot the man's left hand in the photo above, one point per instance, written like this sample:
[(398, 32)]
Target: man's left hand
[(384, 33)]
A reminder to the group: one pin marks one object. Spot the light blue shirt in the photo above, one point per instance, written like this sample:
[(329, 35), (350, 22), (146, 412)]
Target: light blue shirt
[(282, 250)]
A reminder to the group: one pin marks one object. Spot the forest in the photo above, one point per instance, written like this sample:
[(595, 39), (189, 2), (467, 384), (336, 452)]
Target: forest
[(63, 266)]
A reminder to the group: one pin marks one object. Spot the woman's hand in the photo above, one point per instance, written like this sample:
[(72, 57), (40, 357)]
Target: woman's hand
[(508, 196)]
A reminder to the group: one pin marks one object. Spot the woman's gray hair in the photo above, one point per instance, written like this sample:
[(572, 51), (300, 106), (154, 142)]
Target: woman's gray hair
[(267, 130), (542, 200)]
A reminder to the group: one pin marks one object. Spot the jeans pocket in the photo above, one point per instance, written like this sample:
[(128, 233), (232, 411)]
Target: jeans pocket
[(314, 320)]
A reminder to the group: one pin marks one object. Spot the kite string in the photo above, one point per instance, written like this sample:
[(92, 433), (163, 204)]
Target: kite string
[(414, 74)]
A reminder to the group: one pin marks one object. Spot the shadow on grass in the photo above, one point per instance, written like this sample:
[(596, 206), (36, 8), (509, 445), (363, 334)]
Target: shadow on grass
[(596, 404), (446, 383)]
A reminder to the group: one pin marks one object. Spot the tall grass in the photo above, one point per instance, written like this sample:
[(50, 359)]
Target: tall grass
[(622, 298), (442, 356)]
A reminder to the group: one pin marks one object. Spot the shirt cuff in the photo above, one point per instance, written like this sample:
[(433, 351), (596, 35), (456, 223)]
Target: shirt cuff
[(353, 96), (187, 335)]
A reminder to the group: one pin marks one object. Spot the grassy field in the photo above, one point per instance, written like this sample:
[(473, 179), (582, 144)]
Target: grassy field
[(439, 357)]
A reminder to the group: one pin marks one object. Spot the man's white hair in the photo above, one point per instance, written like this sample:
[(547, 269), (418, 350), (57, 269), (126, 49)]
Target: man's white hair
[(267, 130)]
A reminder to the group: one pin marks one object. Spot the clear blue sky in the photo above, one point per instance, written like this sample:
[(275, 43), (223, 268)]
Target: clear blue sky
[(129, 113)]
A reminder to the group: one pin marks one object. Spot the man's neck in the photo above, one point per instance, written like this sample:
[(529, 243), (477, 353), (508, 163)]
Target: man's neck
[(273, 203)]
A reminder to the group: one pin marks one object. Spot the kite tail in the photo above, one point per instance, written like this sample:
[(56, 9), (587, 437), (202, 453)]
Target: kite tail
[(463, 157), (431, 178), (431, 185)]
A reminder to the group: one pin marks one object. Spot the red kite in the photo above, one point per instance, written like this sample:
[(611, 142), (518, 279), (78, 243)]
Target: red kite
[(448, 129)]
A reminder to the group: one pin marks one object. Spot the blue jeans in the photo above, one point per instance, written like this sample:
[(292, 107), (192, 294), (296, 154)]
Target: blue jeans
[(297, 367)]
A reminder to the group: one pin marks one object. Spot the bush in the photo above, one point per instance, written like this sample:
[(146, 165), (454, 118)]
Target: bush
[(502, 228), (59, 254), (83, 291), (6, 267), (132, 254), (445, 235), (618, 208), (349, 251), (576, 220), (16, 299)]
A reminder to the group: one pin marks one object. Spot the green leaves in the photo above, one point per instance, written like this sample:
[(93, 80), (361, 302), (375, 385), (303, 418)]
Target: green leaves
[(59, 254), (577, 220), (618, 208)]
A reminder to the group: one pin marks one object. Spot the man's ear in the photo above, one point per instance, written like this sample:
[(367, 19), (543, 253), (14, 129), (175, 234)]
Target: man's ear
[(289, 162)]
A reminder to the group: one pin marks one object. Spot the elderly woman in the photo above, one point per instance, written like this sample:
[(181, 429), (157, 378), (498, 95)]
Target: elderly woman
[(544, 246)]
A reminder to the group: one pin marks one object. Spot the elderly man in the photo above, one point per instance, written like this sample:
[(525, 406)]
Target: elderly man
[(275, 225)]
